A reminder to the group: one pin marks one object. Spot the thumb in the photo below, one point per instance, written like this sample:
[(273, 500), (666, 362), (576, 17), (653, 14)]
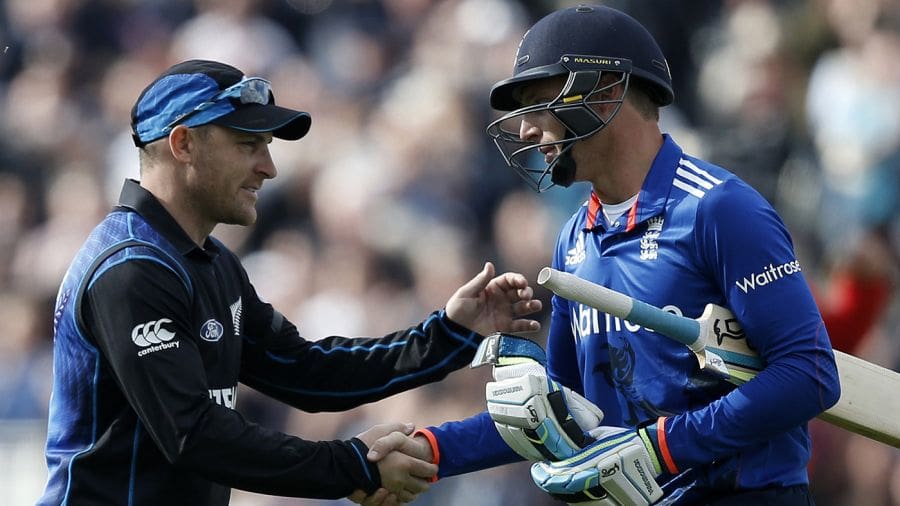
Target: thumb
[(475, 285), (385, 445)]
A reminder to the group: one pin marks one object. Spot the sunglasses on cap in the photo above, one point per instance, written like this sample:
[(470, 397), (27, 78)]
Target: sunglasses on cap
[(249, 90)]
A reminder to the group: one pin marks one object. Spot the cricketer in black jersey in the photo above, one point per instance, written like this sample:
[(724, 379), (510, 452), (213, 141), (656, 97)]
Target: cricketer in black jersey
[(156, 323), (144, 382)]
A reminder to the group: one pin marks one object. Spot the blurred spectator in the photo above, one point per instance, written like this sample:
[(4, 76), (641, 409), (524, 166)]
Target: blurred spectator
[(25, 357), (397, 191)]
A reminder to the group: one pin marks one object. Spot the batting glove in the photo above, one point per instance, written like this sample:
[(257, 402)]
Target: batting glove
[(618, 469), (536, 416)]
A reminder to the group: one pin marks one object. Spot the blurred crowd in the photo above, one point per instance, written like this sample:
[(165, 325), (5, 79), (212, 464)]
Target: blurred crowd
[(397, 196)]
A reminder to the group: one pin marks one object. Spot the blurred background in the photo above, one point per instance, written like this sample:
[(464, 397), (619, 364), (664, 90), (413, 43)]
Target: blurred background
[(397, 196)]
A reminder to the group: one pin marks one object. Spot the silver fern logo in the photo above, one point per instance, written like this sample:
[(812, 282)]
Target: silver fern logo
[(649, 246), (236, 309)]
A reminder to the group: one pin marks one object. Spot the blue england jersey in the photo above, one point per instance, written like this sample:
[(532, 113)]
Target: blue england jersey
[(696, 235)]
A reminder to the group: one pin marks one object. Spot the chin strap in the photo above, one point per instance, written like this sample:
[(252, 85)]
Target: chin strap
[(563, 171)]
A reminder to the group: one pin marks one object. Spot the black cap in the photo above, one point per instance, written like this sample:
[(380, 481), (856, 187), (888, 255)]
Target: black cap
[(190, 93)]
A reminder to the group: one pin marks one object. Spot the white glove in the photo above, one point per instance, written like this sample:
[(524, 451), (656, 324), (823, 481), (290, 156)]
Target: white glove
[(618, 469), (536, 416)]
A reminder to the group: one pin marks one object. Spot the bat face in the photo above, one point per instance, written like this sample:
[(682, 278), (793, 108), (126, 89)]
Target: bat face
[(727, 329), (728, 352)]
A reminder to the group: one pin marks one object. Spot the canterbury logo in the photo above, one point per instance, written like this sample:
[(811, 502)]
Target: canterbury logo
[(151, 333)]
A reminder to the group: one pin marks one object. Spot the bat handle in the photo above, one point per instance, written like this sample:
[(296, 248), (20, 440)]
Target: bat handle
[(680, 328)]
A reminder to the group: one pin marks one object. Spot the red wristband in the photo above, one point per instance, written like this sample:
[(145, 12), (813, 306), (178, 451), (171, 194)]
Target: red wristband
[(435, 452), (664, 446)]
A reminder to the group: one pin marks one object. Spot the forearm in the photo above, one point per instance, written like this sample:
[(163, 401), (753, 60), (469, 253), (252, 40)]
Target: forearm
[(470, 445), (337, 373), (782, 397), (225, 448)]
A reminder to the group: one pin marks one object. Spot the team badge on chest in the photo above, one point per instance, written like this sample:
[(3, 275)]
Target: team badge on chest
[(649, 246)]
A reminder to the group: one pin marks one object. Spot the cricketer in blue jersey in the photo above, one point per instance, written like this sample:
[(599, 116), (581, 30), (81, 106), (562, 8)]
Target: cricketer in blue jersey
[(672, 230), (157, 322)]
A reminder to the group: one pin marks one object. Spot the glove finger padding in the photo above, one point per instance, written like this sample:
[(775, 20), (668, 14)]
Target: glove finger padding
[(536, 416), (540, 419), (617, 469)]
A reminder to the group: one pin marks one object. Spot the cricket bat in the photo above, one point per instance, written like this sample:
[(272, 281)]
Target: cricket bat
[(869, 403)]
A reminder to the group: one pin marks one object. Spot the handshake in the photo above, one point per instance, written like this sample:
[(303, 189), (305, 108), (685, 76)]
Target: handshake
[(404, 463), (577, 460)]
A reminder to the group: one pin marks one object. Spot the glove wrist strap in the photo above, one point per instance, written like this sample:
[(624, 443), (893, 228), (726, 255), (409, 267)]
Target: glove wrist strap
[(505, 349), (654, 438)]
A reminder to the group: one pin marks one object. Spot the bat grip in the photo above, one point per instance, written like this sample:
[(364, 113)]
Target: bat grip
[(680, 328)]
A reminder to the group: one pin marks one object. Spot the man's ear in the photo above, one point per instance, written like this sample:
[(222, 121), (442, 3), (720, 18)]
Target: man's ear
[(613, 86), (181, 144)]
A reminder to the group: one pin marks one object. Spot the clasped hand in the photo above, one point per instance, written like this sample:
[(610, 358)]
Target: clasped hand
[(403, 462)]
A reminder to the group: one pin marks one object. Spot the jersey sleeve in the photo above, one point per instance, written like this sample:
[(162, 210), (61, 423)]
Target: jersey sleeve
[(745, 247), (470, 445), (338, 373), (136, 312)]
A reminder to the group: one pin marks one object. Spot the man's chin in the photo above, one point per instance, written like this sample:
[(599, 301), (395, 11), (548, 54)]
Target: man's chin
[(244, 219)]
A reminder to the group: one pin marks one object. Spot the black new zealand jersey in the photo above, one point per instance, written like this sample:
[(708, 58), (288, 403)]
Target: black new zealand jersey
[(152, 335)]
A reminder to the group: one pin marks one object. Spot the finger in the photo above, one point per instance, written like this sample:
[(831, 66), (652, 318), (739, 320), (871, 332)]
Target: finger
[(475, 285), (406, 496), (370, 436), (387, 444), (422, 469), (391, 500), (358, 496), (524, 307), (510, 282), (523, 325), (416, 486), (526, 293), (379, 498), (416, 449)]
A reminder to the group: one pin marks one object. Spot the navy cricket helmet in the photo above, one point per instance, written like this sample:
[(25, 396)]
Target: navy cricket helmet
[(579, 45)]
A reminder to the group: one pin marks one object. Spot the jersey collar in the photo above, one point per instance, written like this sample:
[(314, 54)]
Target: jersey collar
[(654, 191), (136, 198)]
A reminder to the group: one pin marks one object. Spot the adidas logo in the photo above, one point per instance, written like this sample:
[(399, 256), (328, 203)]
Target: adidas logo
[(577, 254)]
